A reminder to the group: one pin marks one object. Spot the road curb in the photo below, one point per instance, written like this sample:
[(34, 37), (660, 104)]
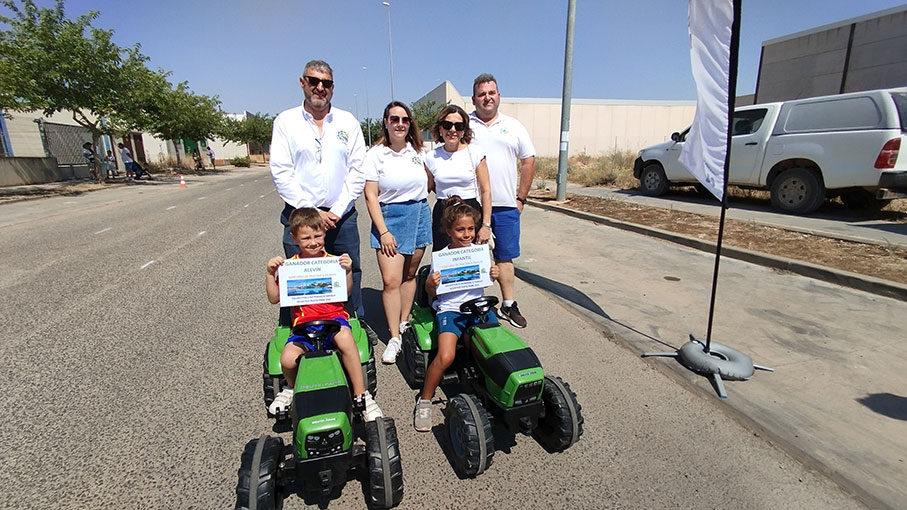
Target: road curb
[(844, 278)]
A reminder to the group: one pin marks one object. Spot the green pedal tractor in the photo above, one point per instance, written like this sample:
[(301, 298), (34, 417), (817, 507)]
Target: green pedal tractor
[(272, 375), (500, 378), (325, 450)]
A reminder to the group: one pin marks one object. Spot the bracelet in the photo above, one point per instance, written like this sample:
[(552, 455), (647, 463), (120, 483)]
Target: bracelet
[(486, 225), (385, 232), (521, 200)]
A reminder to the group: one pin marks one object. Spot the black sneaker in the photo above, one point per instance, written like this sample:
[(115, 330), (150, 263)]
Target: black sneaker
[(512, 314)]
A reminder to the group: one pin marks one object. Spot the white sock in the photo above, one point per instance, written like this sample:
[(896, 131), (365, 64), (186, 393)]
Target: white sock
[(509, 302)]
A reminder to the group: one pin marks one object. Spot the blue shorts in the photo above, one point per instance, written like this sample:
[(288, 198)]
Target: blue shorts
[(456, 322), (505, 225), (410, 224), (328, 342)]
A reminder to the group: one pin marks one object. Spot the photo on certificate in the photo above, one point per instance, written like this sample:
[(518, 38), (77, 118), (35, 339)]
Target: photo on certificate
[(311, 281), (462, 268)]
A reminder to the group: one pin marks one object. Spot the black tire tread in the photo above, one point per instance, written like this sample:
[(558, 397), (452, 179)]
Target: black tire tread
[(384, 464), (466, 411), (268, 490), (555, 431), (414, 359)]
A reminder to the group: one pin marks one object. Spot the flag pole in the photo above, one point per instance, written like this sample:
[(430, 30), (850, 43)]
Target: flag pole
[(731, 102)]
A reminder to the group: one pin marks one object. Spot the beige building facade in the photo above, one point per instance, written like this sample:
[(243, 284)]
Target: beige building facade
[(597, 126)]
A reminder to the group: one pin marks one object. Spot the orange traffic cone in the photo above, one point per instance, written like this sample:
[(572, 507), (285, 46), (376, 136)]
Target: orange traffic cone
[(183, 182)]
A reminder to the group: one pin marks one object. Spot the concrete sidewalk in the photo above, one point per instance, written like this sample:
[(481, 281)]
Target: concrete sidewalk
[(838, 398), (848, 228)]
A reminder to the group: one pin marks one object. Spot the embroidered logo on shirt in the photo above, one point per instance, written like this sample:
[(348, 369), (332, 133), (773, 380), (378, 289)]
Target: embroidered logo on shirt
[(505, 131), (417, 161), (343, 136)]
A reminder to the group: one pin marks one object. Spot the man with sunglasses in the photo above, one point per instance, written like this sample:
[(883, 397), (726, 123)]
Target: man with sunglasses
[(506, 142), (316, 155)]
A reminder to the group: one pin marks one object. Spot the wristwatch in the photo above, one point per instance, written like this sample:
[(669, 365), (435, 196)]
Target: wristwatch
[(521, 200)]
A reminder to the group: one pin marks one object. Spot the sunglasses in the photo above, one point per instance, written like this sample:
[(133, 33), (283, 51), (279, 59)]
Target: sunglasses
[(396, 119), (313, 82), (459, 126)]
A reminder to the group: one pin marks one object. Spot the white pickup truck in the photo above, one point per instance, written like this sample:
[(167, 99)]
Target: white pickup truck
[(804, 151)]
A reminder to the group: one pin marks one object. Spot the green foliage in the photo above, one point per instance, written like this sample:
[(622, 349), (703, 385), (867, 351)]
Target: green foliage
[(241, 161), (178, 113), (425, 114), (255, 128), (373, 126)]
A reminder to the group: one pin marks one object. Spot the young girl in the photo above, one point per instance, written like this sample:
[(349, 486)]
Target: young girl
[(459, 221)]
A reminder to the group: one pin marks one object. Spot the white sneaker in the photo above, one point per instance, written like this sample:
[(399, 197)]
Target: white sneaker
[(391, 352), (281, 401), (405, 325), (370, 409)]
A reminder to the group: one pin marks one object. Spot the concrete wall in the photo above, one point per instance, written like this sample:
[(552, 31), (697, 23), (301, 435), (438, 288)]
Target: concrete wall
[(17, 171), (596, 126), (865, 53)]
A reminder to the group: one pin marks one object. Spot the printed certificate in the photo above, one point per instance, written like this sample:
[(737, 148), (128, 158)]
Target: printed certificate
[(309, 281), (462, 268)]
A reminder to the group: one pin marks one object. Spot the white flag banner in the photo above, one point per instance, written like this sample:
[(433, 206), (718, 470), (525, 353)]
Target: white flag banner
[(710, 49)]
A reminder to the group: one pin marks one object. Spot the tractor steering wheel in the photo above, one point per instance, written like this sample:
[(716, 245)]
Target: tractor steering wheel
[(316, 331), (479, 306)]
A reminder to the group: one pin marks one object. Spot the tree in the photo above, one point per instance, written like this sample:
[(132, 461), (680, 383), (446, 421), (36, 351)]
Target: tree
[(425, 114), (50, 63), (255, 128), (373, 125), (177, 113)]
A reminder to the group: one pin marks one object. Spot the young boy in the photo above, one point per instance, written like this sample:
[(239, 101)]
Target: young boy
[(307, 230)]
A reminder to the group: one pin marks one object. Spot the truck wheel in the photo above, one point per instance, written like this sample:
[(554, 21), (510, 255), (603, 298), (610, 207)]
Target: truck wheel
[(257, 486), (562, 424), (797, 191), (862, 199), (385, 470), (652, 180), (470, 434), (415, 360), (271, 384)]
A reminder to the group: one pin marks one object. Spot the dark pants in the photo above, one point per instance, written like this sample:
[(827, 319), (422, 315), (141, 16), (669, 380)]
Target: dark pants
[(343, 238)]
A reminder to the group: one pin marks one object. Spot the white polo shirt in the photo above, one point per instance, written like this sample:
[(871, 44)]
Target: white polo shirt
[(400, 175), (313, 171), (455, 172), (126, 155), (506, 142)]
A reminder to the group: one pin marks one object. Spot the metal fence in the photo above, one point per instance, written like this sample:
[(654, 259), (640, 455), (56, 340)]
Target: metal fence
[(65, 141)]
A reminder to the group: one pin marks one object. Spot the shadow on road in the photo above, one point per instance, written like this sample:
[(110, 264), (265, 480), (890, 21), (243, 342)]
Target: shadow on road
[(890, 405)]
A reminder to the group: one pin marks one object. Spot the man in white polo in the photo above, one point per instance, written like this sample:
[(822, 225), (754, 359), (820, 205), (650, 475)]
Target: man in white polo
[(506, 142), (316, 155)]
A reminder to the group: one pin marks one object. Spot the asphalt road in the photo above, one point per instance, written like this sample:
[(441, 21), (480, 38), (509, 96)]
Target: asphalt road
[(134, 322)]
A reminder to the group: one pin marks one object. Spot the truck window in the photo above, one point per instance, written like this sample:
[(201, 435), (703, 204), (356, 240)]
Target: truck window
[(900, 102), (748, 122), (833, 115)]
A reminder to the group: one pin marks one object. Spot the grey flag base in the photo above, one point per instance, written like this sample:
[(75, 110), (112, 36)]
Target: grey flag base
[(720, 362)]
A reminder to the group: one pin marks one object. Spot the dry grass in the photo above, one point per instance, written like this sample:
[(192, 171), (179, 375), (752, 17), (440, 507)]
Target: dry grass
[(614, 169)]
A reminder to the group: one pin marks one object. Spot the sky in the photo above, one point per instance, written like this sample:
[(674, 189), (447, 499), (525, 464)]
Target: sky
[(250, 53)]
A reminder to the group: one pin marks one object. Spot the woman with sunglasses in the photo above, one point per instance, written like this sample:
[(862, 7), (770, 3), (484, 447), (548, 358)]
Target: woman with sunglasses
[(457, 168), (396, 188)]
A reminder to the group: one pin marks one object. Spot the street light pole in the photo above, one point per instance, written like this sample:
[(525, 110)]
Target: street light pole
[(390, 45), (368, 113)]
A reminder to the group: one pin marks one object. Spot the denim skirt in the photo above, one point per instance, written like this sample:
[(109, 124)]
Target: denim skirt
[(409, 222)]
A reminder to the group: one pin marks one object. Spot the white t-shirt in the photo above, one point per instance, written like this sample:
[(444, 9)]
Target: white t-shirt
[(125, 155), (455, 172), (400, 175), (506, 142), (451, 301)]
